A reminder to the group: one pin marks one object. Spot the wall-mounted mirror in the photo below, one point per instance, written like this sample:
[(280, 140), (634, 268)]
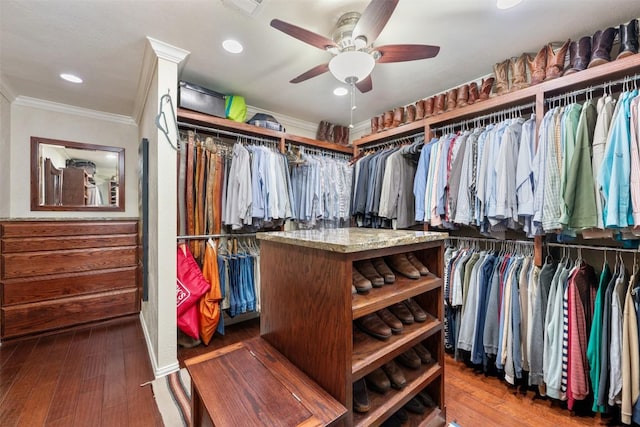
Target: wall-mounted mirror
[(73, 176)]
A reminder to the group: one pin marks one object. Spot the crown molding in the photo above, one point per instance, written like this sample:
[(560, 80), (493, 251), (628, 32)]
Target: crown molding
[(7, 91), (26, 101), (153, 50), (166, 51)]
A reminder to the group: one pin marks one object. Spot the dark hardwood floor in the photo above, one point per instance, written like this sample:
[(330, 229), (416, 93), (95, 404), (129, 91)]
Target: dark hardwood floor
[(92, 377)]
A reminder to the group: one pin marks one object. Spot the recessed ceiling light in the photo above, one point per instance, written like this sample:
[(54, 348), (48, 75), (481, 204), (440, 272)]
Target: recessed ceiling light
[(340, 91), (506, 4), (71, 78), (232, 46)]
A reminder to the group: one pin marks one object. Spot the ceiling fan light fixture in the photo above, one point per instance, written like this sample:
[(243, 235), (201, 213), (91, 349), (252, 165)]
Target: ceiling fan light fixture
[(351, 66)]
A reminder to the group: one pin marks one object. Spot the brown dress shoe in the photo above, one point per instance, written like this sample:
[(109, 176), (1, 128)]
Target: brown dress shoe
[(361, 283), (401, 264), (417, 264), (392, 321), (402, 312), (426, 400), (383, 269), (423, 353), (367, 269), (409, 359), (374, 326), (416, 311), (415, 406), (395, 375), (360, 396), (378, 381)]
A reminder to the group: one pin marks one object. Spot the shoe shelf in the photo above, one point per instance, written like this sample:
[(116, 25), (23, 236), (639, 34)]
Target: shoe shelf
[(370, 353), (308, 312), (403, 288), (384, 405)]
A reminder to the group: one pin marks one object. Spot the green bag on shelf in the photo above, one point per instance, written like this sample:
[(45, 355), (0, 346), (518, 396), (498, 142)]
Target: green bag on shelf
[(235, 108)]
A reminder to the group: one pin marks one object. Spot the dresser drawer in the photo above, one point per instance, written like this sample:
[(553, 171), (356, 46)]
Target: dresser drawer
[(30, 264), (42, 288), (35, 244), (24, 319), (66, 228)]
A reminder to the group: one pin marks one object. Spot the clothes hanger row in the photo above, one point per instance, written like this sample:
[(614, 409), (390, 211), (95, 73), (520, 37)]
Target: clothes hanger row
[(479, 121), (627, 83), (393, 142)]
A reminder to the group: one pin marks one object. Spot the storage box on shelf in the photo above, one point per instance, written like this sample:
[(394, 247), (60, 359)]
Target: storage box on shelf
[(308, 312)]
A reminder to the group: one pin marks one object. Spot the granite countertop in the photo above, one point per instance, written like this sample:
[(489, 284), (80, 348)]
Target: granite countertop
[(351, 239)]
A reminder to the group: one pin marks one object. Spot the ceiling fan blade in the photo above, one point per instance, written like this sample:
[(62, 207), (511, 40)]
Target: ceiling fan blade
[(365, 85), (373, 19), (406, 52), (315, 71), (316, 40)]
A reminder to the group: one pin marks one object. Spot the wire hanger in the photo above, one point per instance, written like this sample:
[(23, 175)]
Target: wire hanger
[(161, 120)]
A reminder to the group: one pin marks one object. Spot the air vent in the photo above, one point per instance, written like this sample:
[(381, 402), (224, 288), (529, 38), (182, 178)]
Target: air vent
[(247, 7)]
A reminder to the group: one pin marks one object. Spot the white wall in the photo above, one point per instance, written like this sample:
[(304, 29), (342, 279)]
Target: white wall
[(31, 117), (5, 155)]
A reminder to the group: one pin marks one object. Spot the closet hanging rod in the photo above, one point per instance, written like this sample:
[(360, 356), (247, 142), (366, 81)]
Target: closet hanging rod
[(480, 239), (214, 236), (394, 142), (228, 133), (495, 114), (593, 248), (605, 85), (319, 151)]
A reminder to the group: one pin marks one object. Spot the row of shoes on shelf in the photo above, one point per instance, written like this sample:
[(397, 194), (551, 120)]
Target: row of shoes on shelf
[(375, 273), (391, 320), (389, 376), (332, 133), (549, 63), (525, 71), (417, 405)]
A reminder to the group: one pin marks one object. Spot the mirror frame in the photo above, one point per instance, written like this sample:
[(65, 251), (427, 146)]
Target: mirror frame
[(35, 206)]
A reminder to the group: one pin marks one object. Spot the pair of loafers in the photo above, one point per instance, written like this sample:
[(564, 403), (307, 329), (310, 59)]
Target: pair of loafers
[(376, 271), (414, 357), (384, 378), (408, 311), (420, 403), (408, 265)]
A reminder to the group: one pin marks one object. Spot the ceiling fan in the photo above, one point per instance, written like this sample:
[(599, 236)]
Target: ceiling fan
[(352, 45)]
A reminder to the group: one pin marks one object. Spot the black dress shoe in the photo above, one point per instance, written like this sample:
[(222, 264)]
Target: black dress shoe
[(361, 283), (378, 381), (374, 326), (401, 311), (418, 313), (360, 396), (401, 264), (367, 269), (410, 359), (417, 264), (415, 406), (423, 353), (395, 375), (392, 321), (383, 269)]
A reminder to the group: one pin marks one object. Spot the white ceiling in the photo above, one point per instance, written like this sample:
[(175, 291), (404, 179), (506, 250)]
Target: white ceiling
[(103, 41)]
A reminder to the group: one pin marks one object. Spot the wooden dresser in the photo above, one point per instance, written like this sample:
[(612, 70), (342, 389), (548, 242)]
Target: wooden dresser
[(59, 274)]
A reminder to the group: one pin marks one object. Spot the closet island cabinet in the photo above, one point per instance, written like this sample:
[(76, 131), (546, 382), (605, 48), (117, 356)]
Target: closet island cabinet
[(308, 312)]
